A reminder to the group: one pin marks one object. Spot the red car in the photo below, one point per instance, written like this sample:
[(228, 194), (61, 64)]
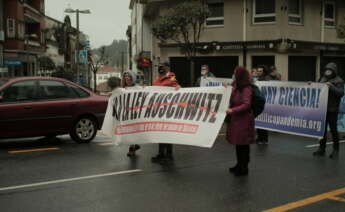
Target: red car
[(42, 106)]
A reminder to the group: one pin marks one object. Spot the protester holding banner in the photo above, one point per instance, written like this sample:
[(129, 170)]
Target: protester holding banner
[(262, 74), (240, 130), (128, 80), (205, 72), (336, 92), (165, 78), (274, 75)]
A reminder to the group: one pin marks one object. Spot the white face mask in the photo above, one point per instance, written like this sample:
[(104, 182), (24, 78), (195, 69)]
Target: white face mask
[(328, 73), (203, 73), (233, 77)]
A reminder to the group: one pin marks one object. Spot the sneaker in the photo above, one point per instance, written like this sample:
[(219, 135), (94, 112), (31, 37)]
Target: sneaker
[(136, 147), (233, 169), (241, 172), (319, 152), (259, 141), (167, 159), (265, 142), (157, 159), (334, 154)]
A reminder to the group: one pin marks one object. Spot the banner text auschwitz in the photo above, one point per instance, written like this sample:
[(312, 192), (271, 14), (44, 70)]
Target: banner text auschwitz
[(193, 106)]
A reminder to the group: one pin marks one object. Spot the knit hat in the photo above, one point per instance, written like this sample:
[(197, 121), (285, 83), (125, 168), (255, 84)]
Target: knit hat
[(332, 66)]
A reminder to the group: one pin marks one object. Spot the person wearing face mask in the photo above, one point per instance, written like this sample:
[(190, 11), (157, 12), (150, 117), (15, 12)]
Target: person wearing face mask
[(165, 78), (205, 72), (336, 92)]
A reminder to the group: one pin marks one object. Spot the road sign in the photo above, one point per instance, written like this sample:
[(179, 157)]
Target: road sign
[(83, 56)]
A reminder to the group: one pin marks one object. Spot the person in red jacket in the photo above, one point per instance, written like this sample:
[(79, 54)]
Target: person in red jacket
[(165, 78)]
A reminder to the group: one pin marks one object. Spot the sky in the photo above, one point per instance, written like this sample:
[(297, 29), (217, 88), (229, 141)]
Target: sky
[(108, 20)]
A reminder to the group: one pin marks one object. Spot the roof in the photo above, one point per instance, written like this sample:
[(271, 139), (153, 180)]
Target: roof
[(107, 69)]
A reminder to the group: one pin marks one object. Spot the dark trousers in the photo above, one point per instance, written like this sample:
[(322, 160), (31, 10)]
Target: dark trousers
[(331, 120), (242, 154), (165, 149), (262, 135)]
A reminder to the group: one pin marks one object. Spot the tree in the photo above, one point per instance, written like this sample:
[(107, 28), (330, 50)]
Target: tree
[(114, 82), (61, 73), (183, 24), (96, 63), (46, 63)]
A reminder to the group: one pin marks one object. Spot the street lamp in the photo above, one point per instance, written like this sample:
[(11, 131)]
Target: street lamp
[(77, 11)]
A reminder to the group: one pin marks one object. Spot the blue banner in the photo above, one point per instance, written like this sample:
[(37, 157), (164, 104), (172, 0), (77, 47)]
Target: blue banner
[(291, 107), (341, 116)]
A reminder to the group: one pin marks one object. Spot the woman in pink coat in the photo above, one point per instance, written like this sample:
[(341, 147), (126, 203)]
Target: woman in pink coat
[(240, 130)]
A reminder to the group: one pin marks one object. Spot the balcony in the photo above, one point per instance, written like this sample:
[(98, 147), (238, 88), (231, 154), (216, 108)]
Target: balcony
[(32, 16), (35, 5)]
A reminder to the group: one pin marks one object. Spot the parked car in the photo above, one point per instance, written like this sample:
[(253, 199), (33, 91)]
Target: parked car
[(42, 106)]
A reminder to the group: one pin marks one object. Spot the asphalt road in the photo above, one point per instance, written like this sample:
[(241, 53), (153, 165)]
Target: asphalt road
[(60, 175)]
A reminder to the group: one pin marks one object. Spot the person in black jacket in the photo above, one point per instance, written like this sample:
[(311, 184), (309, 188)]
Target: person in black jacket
[(336, 92), (262, 74)]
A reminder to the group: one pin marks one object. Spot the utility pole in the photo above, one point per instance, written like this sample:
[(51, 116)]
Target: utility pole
[(77, 46), (77, 11), (122, 62)]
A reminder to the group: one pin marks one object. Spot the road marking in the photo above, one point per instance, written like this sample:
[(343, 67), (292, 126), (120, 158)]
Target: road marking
[(106, 144), (69, 180), (307, 201), (317, 145), (34, 150), (339, 199)]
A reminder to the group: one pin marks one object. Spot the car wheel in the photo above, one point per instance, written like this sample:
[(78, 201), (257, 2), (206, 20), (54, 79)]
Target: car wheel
[(84, 130)]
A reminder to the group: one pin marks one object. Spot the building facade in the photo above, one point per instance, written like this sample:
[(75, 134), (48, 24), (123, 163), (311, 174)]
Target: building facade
[(24, 36), (296, 36), (3, 70), (53, 55)]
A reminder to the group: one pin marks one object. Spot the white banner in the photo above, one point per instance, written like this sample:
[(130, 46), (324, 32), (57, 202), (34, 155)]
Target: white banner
[(188, 116)]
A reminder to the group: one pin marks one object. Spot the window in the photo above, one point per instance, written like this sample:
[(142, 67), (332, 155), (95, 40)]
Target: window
[(216, 17), (2, 82), (20, 92), (55, 90), (21, 30), (11, 28), (81, 93), (264, 11), (329, 13), (295, 11), (42, 6)]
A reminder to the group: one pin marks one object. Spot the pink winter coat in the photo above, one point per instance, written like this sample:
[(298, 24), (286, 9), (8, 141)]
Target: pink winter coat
[(241, 128)]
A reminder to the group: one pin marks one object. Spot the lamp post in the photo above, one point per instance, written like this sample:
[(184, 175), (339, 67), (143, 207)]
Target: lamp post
[(77, 11)]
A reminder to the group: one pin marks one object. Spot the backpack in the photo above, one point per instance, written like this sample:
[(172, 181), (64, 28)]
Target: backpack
[(258, 101)]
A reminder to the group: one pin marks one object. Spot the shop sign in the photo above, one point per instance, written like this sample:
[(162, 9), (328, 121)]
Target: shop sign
[(12, 62)]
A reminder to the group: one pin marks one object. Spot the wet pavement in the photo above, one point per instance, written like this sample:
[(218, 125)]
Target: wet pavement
[(60, 175)]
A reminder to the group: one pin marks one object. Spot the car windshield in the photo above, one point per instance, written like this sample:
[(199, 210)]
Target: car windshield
[(2, 82)]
